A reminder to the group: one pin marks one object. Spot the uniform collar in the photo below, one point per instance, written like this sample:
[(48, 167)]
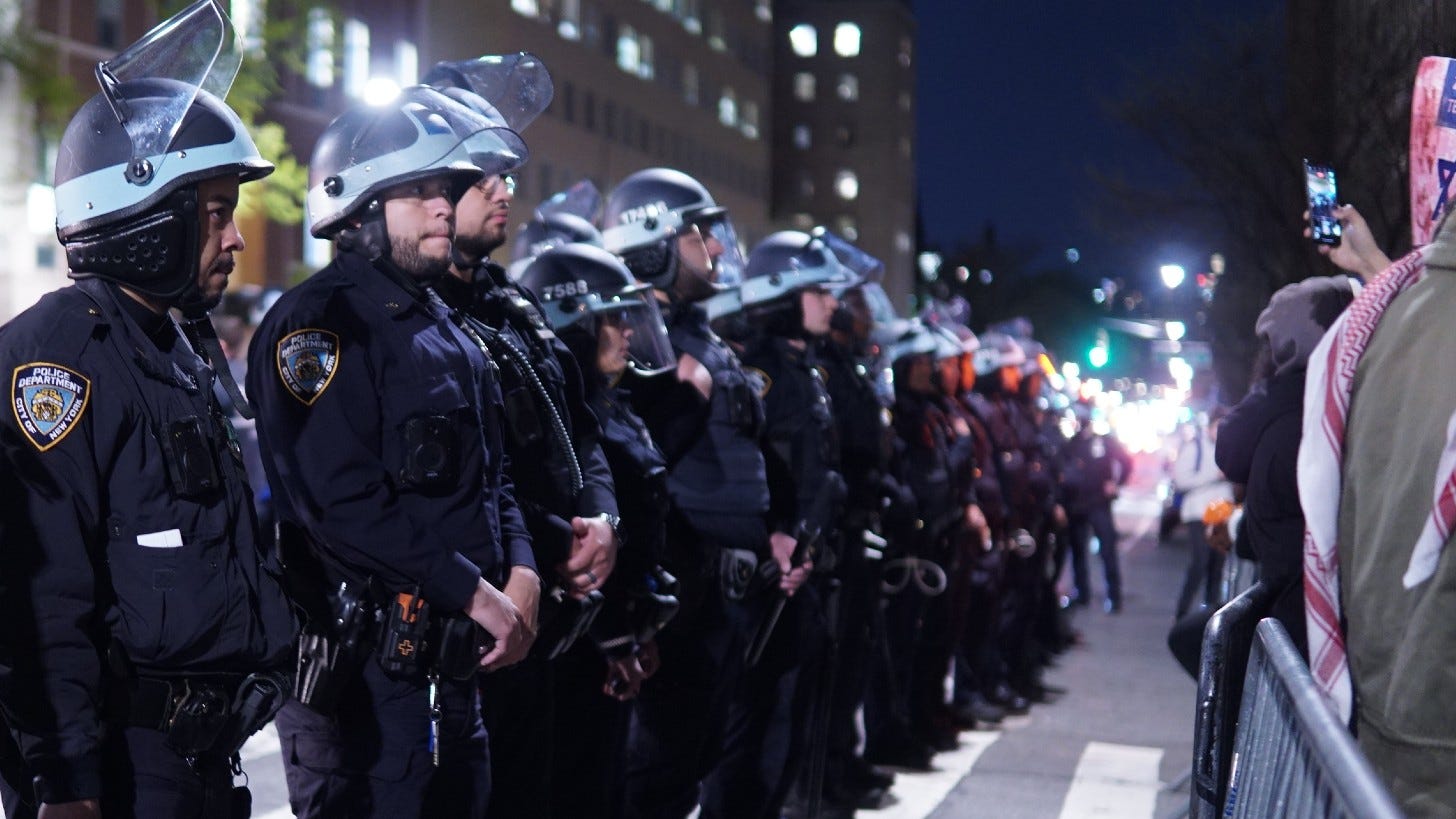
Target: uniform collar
[(382, 286)]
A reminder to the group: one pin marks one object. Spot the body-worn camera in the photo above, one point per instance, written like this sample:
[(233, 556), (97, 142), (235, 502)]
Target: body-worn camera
[(431, 452), (191, 464)]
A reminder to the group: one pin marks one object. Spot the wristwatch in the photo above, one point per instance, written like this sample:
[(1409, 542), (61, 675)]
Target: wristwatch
[(613, 521)]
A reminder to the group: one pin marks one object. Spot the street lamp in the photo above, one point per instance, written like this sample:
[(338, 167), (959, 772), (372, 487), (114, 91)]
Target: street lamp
[(1172, 274), (1175, 329)]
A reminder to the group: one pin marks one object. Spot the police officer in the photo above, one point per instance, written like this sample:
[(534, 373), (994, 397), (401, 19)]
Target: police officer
[(672, 235), (146, 632), (563, 482), (380, 424), (613, 327), (1095, 468), (786, 298), (911, 575), (865, 450)]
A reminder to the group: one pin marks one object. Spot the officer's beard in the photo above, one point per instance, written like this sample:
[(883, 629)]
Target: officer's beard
[(476, 248), (407, 257)]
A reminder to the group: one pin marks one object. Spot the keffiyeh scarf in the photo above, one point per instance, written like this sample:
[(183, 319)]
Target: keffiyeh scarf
[(1326, 410)]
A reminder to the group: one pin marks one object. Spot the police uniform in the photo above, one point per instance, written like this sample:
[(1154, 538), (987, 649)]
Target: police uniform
[(561, 474), (720, 495), (1090, 462), (865, 447), (592, 743), (769, 718), (133, 571), (379, 422)]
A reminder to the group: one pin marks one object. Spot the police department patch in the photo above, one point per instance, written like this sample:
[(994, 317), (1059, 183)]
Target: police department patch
[(48, 400), (307, 360)]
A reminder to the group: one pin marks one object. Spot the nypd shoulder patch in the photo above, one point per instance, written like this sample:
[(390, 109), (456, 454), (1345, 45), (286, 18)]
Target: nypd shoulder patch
[(758, 381), (48, 401), (307, 360)]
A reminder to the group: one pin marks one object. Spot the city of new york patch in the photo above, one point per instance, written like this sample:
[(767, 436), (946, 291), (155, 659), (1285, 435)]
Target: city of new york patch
[(307, 360), (48, 400)]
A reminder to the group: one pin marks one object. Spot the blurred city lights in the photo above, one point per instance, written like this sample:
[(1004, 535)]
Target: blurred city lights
[(1074, 255), (984, 276), (1097, 357), (1071, 370), (1176, 330), (1181, 371), (929, 264), (1099, 296), (1173, 275)]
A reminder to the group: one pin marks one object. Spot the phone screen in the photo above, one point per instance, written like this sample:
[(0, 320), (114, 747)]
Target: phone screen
[(1320, 190)]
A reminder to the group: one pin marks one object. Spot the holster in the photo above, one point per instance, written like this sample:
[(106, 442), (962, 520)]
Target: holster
[(200, 714), (331, 650), (737, 570), (456, 644)]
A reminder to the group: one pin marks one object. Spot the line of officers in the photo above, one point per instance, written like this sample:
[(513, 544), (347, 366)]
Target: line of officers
[(637, 526)]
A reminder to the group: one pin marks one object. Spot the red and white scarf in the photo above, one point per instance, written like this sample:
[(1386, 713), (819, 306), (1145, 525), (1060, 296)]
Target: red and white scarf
[(1327, 394)]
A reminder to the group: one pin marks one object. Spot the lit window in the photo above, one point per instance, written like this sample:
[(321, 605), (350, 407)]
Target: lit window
[(750, 119), (406, 63), (906, 49), (248, 18), (905, 147), (527, 7), (804, 40), (568, 19), (108, 23), (356, 56), (803, 137), (689, 12), (902, 241), (846, 40), (628, 54), (848, 88), (690, 84), (806, 185), (728, 108), (846, 184), (906, 101), (320, 48), (804, 86), (845, 226), (663, 5), (645, 68), (717, 37), (763, 10)]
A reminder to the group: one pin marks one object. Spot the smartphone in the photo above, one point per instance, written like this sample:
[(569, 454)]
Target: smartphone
[(1322, 195)]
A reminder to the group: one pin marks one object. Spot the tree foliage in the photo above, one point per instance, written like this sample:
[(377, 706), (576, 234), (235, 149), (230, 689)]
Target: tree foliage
[(1237, 111)]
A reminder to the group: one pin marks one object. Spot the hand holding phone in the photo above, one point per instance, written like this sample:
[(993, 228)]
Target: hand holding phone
[(1322, 195)]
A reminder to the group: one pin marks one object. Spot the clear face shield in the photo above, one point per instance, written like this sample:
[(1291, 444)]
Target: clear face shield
[(634, 315), (494, 148), (866, 268), (724, 250), (882, 309), (196, 48), (518, 86)]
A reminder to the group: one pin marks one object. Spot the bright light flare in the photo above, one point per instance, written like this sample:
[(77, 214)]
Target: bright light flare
[(1173, 275), (1176, 330), (380, 91)]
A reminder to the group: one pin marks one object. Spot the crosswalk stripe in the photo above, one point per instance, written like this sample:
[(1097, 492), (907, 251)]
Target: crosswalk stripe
[(1114, 780), (918, 794)]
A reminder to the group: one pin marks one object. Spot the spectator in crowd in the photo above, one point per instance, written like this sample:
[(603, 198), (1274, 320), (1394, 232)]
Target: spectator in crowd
[(1196, 475)]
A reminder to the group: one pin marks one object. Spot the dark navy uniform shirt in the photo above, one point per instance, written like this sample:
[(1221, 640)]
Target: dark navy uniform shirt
[(359, 383), (108, 545)]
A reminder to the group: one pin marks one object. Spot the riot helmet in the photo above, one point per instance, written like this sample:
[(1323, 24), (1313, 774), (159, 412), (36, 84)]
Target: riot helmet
[(126, 176), (565, 217), (780, 269), (650, 211), (915, 347), (582, 286), (369, 149), (998, 350)]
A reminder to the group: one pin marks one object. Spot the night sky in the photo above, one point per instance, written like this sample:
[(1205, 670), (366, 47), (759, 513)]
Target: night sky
[(1012, 111)]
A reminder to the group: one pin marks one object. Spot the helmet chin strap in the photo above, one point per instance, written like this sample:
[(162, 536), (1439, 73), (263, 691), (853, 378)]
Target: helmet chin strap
[(203, 338)]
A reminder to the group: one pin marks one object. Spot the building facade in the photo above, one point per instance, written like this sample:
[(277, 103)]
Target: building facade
[(844, 126)]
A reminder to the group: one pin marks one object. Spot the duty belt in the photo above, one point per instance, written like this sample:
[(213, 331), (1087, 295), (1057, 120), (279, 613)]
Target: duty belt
[(200, 713)]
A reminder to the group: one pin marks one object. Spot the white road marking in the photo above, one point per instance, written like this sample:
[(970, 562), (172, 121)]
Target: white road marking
[(918, 794), (1114, 780)]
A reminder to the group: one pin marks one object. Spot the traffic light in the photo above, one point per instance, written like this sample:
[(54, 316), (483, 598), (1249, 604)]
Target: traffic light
[(1098, 355)]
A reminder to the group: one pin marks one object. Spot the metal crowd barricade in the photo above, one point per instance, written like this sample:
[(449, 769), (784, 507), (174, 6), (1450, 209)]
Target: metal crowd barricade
[(1292, 757), (1226, 642)]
